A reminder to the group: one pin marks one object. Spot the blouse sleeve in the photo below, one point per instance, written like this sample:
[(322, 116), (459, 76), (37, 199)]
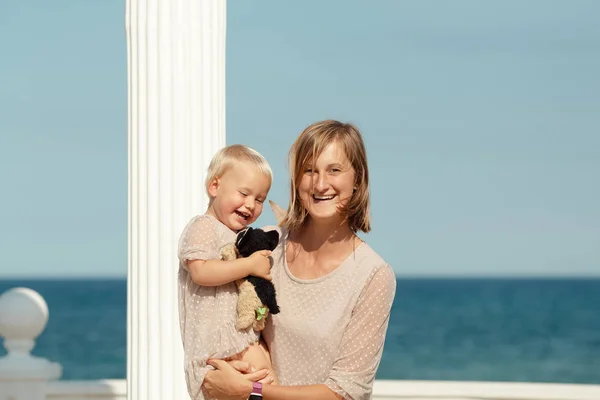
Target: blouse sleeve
[(199, 241), (360, 351)]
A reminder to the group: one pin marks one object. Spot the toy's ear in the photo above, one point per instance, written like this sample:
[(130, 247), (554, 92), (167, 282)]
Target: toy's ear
[(272, 239), (243, 236), (277, 211)]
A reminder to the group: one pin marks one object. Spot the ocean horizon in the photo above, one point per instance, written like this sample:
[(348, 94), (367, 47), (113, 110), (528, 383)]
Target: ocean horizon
[(522, 329)]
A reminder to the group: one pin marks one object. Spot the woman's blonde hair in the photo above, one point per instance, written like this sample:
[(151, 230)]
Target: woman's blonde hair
[(228, 156), (307, 148)]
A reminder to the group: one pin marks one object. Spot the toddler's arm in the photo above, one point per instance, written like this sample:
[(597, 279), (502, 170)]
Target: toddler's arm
[(219, 272)]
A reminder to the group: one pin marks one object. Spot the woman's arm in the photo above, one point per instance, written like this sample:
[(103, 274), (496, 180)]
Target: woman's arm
[(226, 383), (314, 392), (357, 361)]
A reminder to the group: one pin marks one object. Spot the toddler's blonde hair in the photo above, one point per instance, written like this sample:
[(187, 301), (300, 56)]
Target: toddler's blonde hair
[(226, 158)]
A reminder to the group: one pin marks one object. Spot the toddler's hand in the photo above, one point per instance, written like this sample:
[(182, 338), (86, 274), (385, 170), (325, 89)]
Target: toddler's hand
[(260, 264)]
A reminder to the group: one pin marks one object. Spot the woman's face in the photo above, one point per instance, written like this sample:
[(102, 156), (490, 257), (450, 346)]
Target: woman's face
[(327, 183)]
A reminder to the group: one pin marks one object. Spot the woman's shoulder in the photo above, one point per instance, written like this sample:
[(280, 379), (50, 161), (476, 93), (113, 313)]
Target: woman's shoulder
[(371, 260), (370, 256), (378, 273)]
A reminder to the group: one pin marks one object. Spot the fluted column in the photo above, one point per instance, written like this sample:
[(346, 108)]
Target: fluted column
[(176, 100)]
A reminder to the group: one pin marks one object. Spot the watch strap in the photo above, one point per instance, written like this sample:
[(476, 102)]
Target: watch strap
[(256, 391)]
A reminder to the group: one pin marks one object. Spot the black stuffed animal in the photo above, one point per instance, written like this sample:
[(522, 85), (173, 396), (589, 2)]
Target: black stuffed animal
[(257, 298)]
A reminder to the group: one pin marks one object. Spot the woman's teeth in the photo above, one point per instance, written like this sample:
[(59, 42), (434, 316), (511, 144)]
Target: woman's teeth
[(320, 198)]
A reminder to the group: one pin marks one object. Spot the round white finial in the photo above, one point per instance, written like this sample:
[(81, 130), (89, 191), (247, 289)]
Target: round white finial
[(23, 314)]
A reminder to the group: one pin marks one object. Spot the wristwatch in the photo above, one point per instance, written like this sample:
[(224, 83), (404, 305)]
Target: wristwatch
[(256, 391)]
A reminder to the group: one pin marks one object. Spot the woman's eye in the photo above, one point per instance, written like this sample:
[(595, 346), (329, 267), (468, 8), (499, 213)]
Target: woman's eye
[(308, 171)]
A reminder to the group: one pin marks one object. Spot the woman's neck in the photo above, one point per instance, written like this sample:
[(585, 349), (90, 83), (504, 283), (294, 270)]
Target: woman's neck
[(319, 248), (315, 236)]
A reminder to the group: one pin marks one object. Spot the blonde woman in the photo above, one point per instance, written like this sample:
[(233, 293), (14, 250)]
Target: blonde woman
[(335, 293)]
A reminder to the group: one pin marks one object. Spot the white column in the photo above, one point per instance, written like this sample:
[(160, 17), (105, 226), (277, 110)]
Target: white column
[(176, 90), (23, 316)]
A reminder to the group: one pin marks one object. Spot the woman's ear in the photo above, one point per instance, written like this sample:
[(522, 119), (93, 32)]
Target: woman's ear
[(212, 188)]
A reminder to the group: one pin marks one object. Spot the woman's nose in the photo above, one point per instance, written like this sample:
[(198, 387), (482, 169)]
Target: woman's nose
[(321, 183)]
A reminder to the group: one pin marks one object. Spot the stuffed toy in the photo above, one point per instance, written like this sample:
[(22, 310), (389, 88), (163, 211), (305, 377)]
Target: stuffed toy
[(256, 298)]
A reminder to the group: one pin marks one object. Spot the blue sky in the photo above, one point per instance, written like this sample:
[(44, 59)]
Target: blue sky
[(481, 121)]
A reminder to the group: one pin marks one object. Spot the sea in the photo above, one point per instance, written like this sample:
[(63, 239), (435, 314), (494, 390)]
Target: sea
[(534, 330)]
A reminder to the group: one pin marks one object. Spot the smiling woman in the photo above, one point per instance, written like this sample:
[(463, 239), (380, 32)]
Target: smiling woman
[(329, 168), (335, 293)]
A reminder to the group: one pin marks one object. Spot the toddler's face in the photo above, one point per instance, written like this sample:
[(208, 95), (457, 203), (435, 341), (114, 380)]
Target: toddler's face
[(239, 195)]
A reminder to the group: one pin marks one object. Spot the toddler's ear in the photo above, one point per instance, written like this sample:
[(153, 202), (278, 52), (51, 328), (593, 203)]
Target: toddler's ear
[(213, 187), (278, 211)]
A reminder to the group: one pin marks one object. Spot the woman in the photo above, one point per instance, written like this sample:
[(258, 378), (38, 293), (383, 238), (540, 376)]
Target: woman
[(334, 291)]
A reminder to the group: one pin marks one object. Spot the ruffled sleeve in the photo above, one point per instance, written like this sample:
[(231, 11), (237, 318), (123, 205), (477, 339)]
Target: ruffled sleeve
[(360, 351), (199, 240)]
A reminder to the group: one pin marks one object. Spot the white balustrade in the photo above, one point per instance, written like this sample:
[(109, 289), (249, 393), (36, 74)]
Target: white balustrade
[(24, 314), (23, 317), (383, 390)]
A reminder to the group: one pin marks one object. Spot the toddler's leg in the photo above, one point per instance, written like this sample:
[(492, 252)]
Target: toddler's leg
[(258, 356)]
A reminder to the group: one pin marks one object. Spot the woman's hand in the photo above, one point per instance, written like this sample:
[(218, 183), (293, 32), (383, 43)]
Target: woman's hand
[(227, 383), (246, 368)]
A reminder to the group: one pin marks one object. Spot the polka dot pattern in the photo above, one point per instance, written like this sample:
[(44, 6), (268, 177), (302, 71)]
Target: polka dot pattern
[(332, 329)]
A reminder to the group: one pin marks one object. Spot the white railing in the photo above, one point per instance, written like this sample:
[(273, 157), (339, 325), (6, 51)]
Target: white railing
[(113, 389), (24, 314), (383, 390)]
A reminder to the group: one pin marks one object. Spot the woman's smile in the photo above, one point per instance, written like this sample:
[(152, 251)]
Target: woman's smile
[(318, 198)]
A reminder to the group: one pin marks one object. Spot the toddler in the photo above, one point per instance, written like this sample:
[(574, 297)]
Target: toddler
[(238, 181)]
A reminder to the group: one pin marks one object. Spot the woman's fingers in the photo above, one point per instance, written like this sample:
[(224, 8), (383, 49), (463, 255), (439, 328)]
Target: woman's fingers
[(242, 366), (218, 364), (257, 376), (267, 380), (254, 376)]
